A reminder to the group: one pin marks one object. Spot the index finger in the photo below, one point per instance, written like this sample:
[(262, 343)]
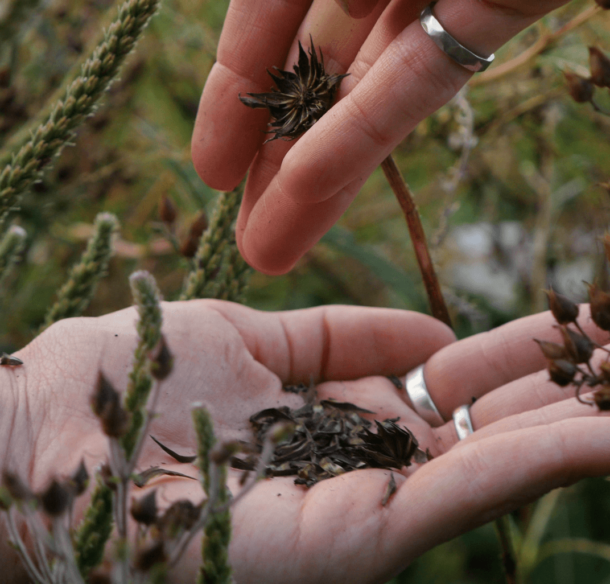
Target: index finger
[(226, 134)]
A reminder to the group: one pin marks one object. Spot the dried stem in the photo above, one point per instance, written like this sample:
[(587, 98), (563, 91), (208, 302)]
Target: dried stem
[(418, 237)]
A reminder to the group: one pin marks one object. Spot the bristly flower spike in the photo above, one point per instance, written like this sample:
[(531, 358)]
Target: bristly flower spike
[(301, 98)]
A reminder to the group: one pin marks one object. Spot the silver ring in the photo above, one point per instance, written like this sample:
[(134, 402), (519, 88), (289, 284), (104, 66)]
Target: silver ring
[(444, 41), (422, 402), (463, 422)]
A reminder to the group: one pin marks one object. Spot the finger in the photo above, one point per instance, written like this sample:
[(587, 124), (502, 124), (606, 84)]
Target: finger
[(257, 34), (336, 342), (410, 80), (339, 39), (470, 486), (565, 409), (484, 362)]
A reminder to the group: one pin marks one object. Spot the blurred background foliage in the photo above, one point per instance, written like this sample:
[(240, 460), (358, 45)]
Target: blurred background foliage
[(509, 179)]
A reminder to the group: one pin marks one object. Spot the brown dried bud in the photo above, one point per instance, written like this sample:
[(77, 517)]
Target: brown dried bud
[(106, 404), (144, 510), (107, 477), (600, 307), (10, 360), (600, 67), (563, 309), (55, 499), (579, 88), (162, 361), (562, 372), (222, 452), (189, 246), (604, 4), (180, 516), (578, 347), (79, 481), (167, 210), (601, 398), (16, 488), (552, 350), (151, 555)]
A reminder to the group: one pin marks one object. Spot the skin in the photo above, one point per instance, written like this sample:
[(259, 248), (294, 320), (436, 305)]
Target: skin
[(530, 436), (297, 190)]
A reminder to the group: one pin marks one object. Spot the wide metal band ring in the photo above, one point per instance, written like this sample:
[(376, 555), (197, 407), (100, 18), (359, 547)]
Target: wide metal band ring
[(449, 45), (417, 391), (463, 422)]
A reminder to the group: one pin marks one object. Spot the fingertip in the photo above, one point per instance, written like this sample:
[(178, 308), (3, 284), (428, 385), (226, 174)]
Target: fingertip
[(357, 8)]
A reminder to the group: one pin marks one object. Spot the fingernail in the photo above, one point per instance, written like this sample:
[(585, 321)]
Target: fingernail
[(344, 4)]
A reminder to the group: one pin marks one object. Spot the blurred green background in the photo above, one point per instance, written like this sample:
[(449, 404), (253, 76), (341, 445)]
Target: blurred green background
[(508, 178)]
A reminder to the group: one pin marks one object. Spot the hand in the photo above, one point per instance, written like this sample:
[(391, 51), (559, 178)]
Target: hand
[(531, 436), (297, 190)]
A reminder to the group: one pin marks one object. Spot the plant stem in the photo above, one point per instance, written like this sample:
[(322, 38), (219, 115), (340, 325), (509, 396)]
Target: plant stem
[(509, 557), (418, 237)]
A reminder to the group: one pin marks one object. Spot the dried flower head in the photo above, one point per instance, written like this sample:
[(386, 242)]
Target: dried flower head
[(55, 499), (600, 307), (144, 510), (301, 98), (563, 309), (600, 67), (579, 88)]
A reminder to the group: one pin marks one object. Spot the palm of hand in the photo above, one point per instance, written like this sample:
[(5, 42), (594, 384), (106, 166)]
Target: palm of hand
[(235, 361)]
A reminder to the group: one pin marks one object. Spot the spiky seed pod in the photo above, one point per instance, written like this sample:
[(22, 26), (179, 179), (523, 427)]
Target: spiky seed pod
[(562, 372), (301, 98), (563, 309), (600, 67), (600, 307)]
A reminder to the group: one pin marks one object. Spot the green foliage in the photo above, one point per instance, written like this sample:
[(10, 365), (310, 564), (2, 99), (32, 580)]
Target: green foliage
[(76, 293), (212, 246), (98, 72), (147, 299), (95, 529)]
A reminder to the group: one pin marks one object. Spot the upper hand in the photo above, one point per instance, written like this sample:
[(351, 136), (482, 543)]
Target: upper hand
[(297, 190)]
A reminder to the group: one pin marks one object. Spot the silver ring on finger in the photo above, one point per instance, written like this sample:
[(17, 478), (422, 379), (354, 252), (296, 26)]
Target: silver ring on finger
[(449, 45), (463, 422), (415, 384)]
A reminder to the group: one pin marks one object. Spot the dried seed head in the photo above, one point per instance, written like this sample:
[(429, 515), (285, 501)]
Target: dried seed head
[(562, 372), (79, 481), (10, 361), (106, 404), (162, 361), (167, 210), (301, 98), (579, 88), (600, 67), (144, 510), (16, 488), (578, 347), (107, 477), (151, 555), (604, 4), (552, 350), (55, 499), (600, 307), (563, 309), (180, 516)]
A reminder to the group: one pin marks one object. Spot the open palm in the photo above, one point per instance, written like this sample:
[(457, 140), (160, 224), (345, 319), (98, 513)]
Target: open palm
[(531, 436)]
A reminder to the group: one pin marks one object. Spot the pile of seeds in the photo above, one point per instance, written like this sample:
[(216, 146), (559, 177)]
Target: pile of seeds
[(330, 438)]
